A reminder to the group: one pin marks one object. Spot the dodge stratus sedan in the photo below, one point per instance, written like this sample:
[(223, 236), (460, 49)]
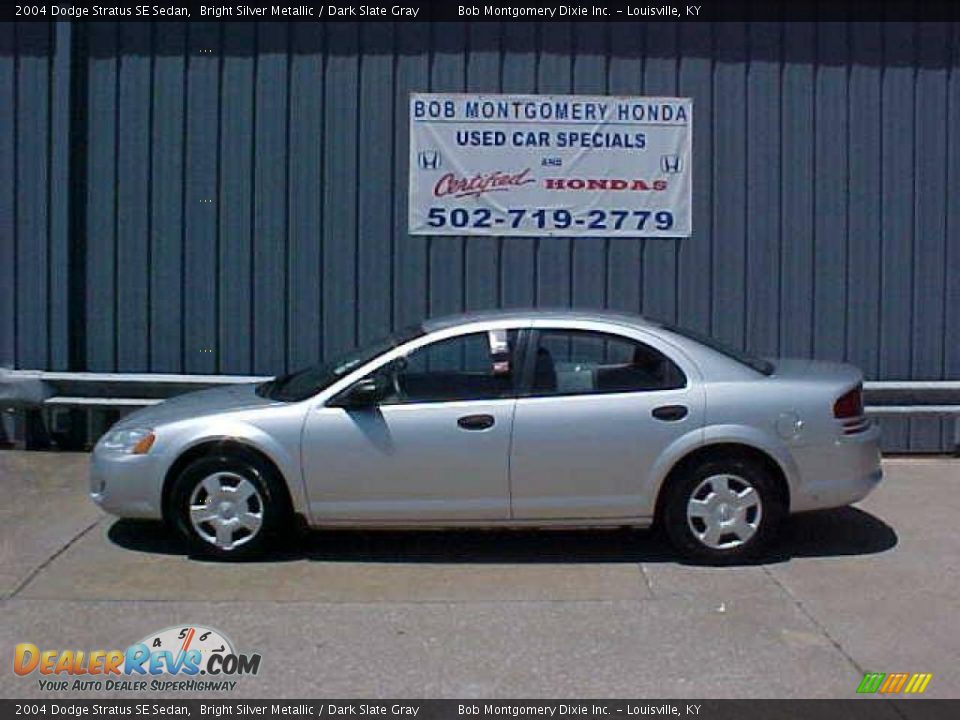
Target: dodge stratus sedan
[(537, 418)]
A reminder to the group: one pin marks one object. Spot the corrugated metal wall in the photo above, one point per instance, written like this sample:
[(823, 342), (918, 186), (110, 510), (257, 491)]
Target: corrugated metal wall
[(233, 196)]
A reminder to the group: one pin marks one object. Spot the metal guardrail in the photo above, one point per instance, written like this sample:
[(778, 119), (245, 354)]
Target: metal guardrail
[(914, 398), (32, 385), (46, 404), (912, 410), (71, 410)]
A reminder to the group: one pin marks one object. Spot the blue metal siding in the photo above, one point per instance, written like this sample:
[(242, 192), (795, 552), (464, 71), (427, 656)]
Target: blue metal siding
[(659, 296), (236, 147), (166, 199), (270, 202), (58, 262), (241, 203), (133, 197), (951, 297), (482, 259), (864, 226), (730, 114), (897, 208), (101, 210), (929, 332), (831, 140), (797, 183), (763, 212), (201, 176), (32, 197), (8, 203), (694, 281), (445, 256), (305, 196)]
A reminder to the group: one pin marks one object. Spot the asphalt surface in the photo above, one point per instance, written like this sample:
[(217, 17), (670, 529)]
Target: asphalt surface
[(502, 614)]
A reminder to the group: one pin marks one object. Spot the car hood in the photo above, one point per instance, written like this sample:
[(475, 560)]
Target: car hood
[(198, 404)]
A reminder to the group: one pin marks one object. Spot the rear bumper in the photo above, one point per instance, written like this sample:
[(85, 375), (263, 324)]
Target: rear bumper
[(839, 474)]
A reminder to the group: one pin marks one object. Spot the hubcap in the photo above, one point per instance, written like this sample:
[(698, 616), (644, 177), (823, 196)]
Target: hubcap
[(724, 511), (226, 510)]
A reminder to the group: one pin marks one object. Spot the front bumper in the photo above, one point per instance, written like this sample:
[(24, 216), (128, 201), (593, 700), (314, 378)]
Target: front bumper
[(128, 486), (839, 474)]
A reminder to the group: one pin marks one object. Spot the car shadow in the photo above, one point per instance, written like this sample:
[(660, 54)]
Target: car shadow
[(827, 533)]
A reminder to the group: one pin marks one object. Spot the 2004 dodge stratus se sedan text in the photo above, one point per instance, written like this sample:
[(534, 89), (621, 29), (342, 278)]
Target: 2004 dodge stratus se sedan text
[(504, 419)]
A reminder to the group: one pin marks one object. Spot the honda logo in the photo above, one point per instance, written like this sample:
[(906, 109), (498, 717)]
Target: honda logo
[(670, 163), (429, 160)]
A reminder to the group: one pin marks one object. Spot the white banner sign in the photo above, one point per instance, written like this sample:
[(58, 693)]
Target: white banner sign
[(550, 165)]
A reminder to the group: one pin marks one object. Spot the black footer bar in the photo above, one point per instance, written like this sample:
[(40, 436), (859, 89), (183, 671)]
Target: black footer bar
[(854, 709)]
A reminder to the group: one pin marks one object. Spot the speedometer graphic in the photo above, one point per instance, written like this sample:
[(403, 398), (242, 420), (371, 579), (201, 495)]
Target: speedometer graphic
[(184, 638)]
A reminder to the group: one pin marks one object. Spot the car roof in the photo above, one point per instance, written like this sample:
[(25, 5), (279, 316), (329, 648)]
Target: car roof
[(525, 315)]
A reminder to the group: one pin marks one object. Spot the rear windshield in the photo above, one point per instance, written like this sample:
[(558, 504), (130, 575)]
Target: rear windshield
[(759, 364)]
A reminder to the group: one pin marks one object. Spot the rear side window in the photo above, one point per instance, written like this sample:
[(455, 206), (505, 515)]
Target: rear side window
[(575, 362), (759, 364)]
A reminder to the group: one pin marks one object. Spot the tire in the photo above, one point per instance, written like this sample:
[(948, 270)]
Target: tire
[(723, 510), (229, 507)]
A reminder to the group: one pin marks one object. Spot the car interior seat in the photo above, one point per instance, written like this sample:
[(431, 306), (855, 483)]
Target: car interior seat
[(646, 371), (544, 372)]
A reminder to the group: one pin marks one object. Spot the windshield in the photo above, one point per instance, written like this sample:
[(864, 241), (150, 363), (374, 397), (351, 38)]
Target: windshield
[(305, 383), (755, 363)]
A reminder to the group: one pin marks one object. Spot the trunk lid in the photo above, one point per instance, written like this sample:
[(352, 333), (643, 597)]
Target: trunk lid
[(840, 374)]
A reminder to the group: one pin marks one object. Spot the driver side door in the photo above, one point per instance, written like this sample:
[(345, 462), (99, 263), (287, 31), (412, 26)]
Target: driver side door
[(434, 449)]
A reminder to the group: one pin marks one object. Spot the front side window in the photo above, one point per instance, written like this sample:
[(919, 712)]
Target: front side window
[(574, 362), (478, 366)]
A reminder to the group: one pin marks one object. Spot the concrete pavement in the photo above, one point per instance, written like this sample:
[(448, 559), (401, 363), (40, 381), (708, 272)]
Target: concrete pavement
[(503, 614)]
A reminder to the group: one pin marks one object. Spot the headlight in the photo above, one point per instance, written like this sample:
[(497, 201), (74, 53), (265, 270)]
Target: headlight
[(135, 441)]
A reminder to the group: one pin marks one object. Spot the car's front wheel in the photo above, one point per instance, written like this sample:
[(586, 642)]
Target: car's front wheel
[(723, 510), (228, 507)]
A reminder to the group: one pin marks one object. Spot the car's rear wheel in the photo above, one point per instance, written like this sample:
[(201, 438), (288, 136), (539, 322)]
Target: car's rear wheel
[(723, 510), (228, 507)]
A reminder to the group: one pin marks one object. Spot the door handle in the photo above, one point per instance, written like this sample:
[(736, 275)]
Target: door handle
[(670, 413), (476, 422)]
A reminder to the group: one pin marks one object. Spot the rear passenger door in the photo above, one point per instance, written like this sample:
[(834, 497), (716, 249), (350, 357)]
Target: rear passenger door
[(596, 411)]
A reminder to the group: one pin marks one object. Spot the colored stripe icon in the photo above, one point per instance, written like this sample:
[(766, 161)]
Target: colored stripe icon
[(893, 683)]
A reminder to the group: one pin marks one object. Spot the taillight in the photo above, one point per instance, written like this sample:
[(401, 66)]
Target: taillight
[(850, 404)]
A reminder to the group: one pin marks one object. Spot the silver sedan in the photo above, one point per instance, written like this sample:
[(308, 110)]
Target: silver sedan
[(536, 418)]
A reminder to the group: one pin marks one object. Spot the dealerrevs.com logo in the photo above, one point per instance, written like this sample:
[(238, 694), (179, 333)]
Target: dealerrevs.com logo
[(180, 658)]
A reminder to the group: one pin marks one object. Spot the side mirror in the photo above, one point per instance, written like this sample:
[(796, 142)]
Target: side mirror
[(364, 393)]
